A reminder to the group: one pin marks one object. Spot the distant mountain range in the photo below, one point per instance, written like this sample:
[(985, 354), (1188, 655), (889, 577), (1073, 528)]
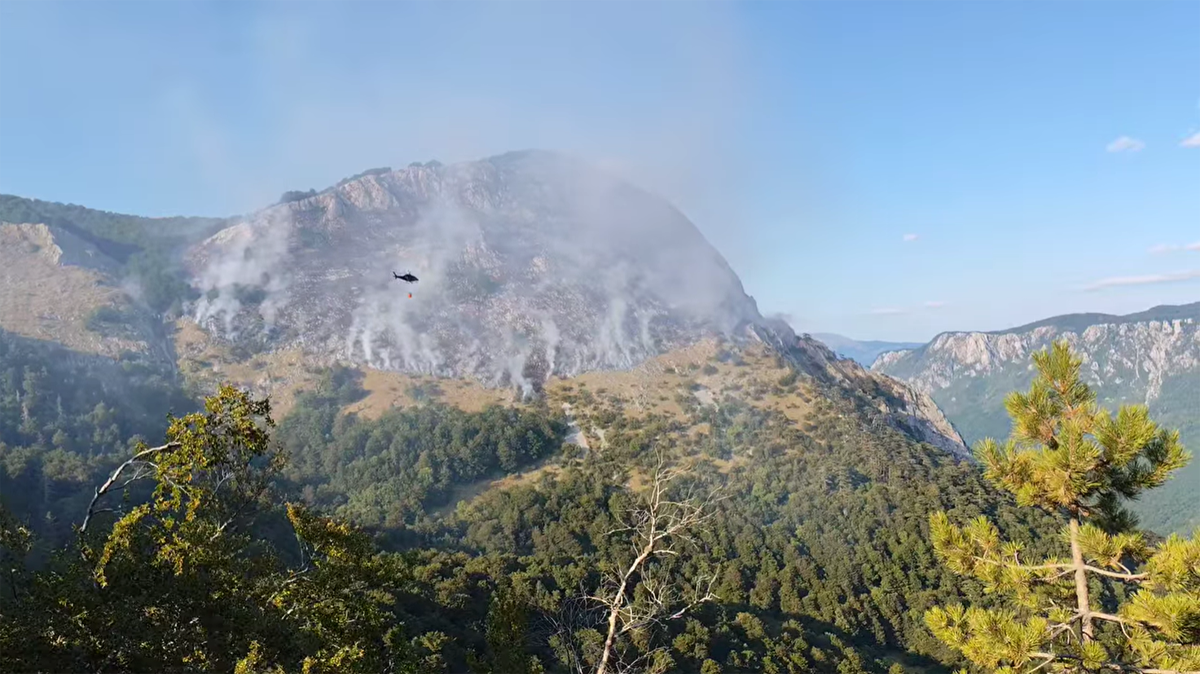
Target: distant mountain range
[(862, 352), (1150, 357)]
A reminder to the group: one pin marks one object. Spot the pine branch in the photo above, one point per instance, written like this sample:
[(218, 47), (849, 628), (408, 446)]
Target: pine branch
[(1068, 456), (1115, 666), (1131, 577), (1110, 617), (1024, 567)]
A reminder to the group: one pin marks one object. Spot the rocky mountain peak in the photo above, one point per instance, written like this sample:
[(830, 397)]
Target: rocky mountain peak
[(530, 263)]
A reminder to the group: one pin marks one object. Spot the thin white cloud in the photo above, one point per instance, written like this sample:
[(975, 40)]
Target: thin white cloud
[(1149, 279), (1191, 141), (910, 237), (1173, 248), (934, 304), (1126, 144)]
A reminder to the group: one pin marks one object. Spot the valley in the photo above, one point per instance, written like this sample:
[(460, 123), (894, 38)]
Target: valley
[(863, 352)]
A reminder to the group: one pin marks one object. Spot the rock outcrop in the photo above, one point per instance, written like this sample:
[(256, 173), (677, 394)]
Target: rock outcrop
[(1131, 357), (1150, 358)]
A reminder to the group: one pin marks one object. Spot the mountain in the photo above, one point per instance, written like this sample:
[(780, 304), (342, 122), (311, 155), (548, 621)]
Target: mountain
[(116, 235), (819, 537), (1151, 357), (862, 352), (533, 266), (530, 264), (54, 281)]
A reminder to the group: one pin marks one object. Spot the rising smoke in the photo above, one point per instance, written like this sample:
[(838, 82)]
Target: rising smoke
[(243, 258), (672, 124), (531, 264), (517, 281)]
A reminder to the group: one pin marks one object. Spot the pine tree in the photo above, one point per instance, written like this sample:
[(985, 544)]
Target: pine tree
[(1114, 602)]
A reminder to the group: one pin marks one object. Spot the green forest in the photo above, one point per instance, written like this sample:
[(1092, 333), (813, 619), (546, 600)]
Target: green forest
[(218, 540)]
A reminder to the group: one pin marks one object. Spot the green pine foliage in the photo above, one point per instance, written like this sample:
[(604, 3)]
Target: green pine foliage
[(1110, 599)]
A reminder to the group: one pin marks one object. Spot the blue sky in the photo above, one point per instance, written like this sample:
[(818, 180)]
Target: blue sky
[(883, 170)]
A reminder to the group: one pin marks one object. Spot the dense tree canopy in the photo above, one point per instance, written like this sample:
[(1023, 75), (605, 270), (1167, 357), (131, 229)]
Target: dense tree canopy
[(387, 472), (65, 418), (334, 543)]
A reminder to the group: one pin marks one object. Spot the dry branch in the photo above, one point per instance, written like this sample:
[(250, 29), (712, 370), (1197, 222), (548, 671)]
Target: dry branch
[(139, 460)]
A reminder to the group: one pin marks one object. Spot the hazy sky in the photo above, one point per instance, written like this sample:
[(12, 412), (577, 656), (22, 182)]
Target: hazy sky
[(883, 170)]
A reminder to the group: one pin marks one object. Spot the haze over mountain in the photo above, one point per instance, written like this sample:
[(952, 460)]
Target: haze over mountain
[(587, 439), (1150, 357), (530, 264), (738, 113), (862, 352)]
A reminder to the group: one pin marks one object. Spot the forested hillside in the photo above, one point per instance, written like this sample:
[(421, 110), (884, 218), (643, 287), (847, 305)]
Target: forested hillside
[(117, 234), (775, 501), (816, 554)]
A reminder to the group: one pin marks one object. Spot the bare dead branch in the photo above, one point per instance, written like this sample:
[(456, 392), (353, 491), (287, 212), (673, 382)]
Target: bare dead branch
[(659, 525), (138, 458), (572, 614)]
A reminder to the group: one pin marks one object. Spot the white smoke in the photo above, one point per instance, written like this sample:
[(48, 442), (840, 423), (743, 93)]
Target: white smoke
[(252, 256), (386, 317), (554, 272), (322, 93), (551, 337)]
